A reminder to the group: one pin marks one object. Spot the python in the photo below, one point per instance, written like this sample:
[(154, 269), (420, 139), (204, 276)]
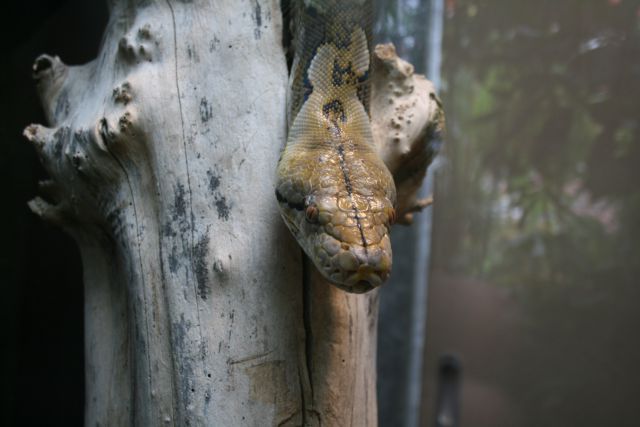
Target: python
[(335, 194)]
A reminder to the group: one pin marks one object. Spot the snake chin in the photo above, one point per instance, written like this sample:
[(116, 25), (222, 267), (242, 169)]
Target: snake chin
[(358, 269)]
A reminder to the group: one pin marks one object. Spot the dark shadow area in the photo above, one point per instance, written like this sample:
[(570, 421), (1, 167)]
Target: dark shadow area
[(42, 305)]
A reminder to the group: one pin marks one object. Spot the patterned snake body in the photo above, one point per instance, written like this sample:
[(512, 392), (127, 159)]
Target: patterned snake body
[(335, 194)]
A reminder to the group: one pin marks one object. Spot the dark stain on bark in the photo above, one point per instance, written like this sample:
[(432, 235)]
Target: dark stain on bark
[(200, 252), (180, 335), (179, 203), (222, 205), (214, 181), (173, 260), (257, 15), (168, 230), (206, 111), (192, 53), (213, 44), (223, 208), (161, 259)]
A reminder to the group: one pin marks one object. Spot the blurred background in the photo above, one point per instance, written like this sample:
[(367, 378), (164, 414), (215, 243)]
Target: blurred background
[(513, 300), (41, 307), (534, 274)]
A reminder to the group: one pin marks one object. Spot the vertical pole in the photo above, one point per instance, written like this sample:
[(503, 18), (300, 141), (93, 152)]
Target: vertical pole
[(447, 413), (423, 243)]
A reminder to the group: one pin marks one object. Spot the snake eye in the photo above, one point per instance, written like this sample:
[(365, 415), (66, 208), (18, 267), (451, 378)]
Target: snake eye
[(311, 213), (391, 214)]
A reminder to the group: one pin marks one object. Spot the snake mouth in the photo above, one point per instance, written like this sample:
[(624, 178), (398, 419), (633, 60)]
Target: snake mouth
[(359, 288), (357, 269), (361, 281), (365, 279)]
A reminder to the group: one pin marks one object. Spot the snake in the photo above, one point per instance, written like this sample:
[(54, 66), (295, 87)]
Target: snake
[(334, 192)]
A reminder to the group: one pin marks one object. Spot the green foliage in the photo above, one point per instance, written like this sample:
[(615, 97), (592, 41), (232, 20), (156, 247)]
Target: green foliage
[(542, 192), (543, 102)]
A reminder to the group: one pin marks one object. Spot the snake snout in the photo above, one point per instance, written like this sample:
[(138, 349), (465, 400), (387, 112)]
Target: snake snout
[(352, 266), (363, 268)]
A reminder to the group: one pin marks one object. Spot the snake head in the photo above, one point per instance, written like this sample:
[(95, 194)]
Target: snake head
[(346, 236)]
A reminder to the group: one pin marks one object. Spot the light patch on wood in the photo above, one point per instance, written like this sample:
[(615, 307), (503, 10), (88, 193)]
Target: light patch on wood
[(268, 384)]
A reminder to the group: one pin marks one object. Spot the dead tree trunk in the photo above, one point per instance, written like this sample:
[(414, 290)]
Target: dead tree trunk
[(162, 155)]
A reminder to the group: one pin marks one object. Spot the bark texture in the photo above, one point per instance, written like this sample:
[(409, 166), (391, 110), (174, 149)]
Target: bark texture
[(162, 154)]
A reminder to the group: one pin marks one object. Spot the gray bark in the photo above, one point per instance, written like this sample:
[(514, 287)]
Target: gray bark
[(162, 154)]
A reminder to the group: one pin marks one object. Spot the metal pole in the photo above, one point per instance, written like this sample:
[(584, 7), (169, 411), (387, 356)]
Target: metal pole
[(423, 244)]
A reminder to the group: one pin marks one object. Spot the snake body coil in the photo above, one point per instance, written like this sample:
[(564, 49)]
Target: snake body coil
[(335, 194)]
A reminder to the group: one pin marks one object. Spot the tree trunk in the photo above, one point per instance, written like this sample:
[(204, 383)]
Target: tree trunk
[(162, 155)]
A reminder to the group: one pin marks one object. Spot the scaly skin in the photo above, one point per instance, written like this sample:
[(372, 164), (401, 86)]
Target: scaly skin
[(335, 194)]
